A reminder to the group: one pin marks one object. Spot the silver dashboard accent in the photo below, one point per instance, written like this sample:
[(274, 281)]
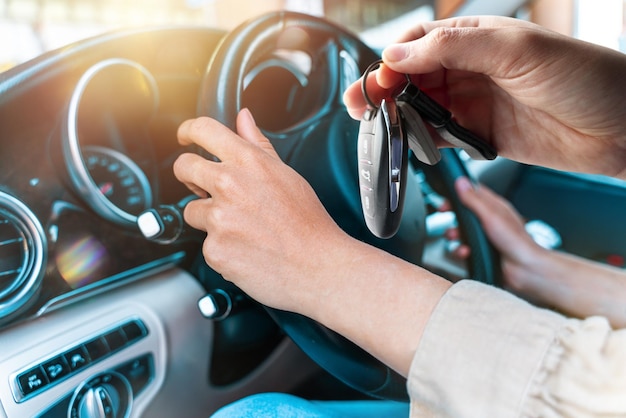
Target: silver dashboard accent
[(216, 305), (293, 68), (106, 395), (350, 71), (79, 173), (298, 63), (148, 224), (437, 223), (23, 256)]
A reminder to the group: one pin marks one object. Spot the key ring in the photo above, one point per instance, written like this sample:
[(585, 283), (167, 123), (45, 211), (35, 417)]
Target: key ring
[(436, 115), (369, 69)]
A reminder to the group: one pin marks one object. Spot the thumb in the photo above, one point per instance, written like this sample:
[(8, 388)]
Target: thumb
[(455, 48), (248, 130)]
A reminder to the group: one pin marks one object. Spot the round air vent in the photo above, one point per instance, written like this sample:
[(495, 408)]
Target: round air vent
[(22, 255)]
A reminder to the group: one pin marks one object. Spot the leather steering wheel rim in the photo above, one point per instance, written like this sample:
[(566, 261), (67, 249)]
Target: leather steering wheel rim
[(220, 98)]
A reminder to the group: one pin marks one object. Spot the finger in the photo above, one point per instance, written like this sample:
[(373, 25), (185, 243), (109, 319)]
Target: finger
[(195, 213), (377, 88), (194, 171), (479, 196), (445, 206), (462, 252), (492, 210), (470, 197), (452, 234), (388, 79), (354, 99), (202, 194), (212, 136), (481, 45), (248, 130), (423, 28)]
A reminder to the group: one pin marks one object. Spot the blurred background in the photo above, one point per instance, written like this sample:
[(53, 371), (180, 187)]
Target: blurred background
[(30, 27)]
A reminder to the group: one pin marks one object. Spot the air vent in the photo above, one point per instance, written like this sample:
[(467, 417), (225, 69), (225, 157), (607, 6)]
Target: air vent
[(22, 255)]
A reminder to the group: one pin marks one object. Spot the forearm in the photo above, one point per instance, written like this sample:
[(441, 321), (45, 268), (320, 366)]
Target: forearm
[(376, 300), (575, 286)]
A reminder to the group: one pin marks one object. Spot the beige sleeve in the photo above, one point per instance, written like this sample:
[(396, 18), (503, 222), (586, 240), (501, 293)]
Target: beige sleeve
[(486, 353)]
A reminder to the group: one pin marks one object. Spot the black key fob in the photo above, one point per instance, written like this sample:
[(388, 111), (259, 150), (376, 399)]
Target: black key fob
[(382, 162)]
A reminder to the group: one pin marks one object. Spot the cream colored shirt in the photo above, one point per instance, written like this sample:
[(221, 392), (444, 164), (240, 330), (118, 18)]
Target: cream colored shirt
[(486, 353)]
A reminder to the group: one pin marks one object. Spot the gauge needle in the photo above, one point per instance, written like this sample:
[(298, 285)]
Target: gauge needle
[(106, 188)]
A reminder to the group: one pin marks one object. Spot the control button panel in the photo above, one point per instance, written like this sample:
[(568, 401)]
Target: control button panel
[(138, 373), (62, 365)]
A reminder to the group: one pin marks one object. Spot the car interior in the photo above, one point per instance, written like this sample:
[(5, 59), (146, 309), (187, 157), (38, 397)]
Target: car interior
[(107, 307)]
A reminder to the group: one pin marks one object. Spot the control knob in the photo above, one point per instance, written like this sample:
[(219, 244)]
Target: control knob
[(108, 395)]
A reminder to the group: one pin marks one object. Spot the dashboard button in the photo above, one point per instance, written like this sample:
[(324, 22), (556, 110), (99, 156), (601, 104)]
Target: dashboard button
[(56, 368), (115, 339), (76, 358), (133, 331), (97, 349), (138, 372), (368, 202), (32, 380)]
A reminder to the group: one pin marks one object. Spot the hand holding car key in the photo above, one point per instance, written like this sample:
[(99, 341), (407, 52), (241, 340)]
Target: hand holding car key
[(386, 133)]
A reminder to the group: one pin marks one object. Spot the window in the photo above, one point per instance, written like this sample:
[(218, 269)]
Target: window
[(601, 22)]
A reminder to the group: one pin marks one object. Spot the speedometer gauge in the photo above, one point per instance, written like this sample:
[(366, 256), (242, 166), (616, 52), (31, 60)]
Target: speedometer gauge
[(118, 179), (97, 124)]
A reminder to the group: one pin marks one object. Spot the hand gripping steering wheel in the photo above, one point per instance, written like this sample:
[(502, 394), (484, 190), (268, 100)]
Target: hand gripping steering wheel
[(322, 147)]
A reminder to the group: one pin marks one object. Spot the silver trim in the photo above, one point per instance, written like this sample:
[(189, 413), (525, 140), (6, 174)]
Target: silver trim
[(35, 249), (294, 69), (349, 70), (101, 412), (71, 147), (209, 307)]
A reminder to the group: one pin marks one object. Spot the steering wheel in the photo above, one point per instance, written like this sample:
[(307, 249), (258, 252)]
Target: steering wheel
[(322, 147)]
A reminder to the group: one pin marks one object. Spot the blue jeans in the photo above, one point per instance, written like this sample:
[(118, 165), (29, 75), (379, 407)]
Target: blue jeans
[(273, 405)]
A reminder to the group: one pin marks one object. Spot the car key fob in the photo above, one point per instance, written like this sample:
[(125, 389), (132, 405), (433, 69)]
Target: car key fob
[(382, 163), (441, 119), (419, 139)]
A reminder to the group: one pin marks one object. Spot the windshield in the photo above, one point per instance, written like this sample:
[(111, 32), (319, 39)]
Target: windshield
[(36, 26)]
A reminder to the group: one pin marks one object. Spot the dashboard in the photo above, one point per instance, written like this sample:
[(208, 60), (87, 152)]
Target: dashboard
[(95, 318), (88, 142)]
